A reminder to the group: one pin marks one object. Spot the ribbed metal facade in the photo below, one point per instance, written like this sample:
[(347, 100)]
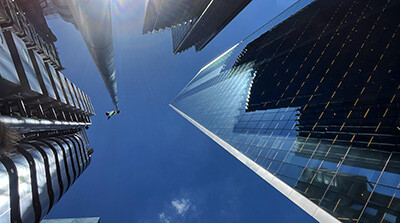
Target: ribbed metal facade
[(34, 88), (43, 117), (36, 176)]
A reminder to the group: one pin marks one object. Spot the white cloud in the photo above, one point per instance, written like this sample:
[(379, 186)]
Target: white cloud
[(163, 218), (177, 210), (181, 205)]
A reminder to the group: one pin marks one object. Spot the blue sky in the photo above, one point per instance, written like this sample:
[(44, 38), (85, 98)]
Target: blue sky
[(150, 164)]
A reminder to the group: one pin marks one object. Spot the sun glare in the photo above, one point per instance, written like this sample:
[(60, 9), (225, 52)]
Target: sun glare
[(128, 13)]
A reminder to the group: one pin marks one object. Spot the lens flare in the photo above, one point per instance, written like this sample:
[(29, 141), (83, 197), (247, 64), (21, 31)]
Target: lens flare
[(128, 14)]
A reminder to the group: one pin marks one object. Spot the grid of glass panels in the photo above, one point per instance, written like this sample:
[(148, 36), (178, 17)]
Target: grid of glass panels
[(179, 32), (313, 98)]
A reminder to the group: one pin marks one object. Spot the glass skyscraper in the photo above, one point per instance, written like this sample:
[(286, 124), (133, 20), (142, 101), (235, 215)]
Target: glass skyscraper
[(310, 102)]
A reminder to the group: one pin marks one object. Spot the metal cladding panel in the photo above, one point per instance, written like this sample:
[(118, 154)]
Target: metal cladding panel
[(81, 154), (78, 153), (40, 178), (82, 135), (51, 157), (71, 90), (7, 69), (45, 76), (61, 164), (57, 83), (67, 160), (84, 143), (82, 146), (27, 65), (88, 103), (85, 137), (74, 157), (24, 125), (78, 99), (73, 167), (24, 187), (83, 102), (78, 96), (5, 214), (65, 87), (29, 177), (91, 105)]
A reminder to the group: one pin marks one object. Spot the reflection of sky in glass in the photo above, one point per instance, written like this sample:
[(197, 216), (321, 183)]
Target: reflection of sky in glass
[(302, 140)]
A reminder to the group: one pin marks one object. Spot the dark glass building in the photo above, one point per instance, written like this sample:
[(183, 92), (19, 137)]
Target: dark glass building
[(193, 22), (310, 102)]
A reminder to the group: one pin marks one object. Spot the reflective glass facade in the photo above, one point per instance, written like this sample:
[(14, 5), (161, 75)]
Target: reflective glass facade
[(311, 100), (179, 32)]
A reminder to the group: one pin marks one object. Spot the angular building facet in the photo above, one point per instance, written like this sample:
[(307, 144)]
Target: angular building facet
[(193, 23), (43, 117), (310, 103)]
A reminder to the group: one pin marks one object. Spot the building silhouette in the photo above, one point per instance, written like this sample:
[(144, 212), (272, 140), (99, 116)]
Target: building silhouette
[(310, 102)]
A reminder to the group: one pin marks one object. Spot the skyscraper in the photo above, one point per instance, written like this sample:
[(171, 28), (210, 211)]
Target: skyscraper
[(93, 19), (193, 23), (310, 102), (43, 117)]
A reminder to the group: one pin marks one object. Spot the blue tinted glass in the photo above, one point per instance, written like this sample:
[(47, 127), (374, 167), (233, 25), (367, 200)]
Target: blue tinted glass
[(313, 100)]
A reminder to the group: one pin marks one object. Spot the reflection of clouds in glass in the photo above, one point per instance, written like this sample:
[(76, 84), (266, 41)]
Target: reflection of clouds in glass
[(181, 205)]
